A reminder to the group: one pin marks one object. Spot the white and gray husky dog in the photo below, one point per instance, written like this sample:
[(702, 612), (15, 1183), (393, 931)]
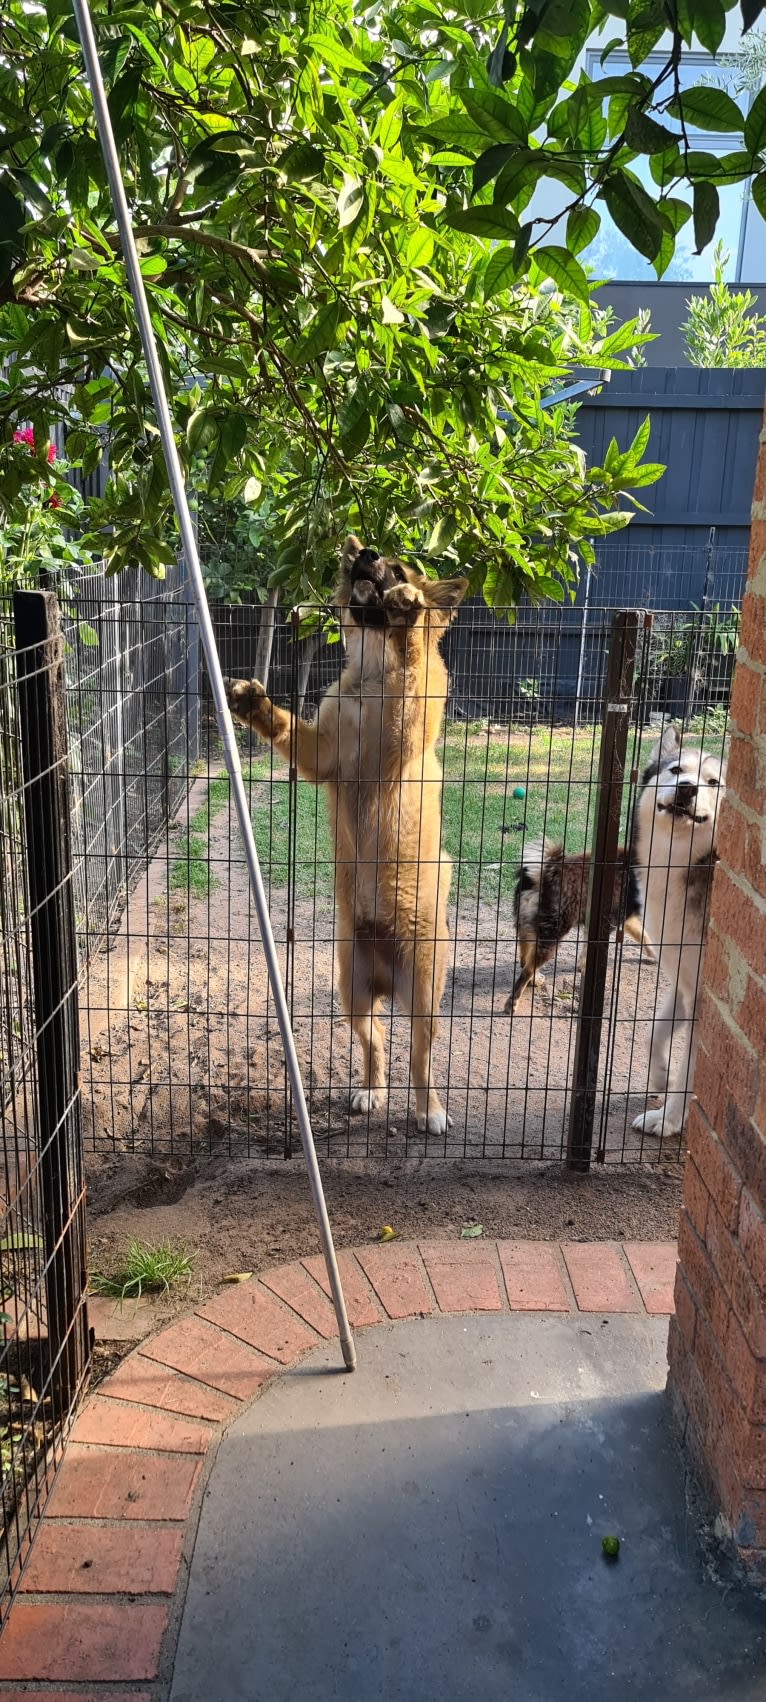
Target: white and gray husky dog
[(674, 855)]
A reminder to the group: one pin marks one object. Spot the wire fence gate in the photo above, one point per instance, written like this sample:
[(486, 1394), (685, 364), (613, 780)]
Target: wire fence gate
[(45, 1346), (181, 1052)]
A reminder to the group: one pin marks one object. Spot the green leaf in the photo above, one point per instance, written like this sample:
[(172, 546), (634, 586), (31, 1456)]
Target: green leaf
[(644, 136), (635, 214), (493, 115), (755, 125), (441, 536), (320, 334), (471, 1231), (520, 171), (566, 272), (709, 19), (708, 109), (350, 201), (644, 27), (301, 161), (483, 221), (751, 11), (501, 272), (706, 210), (758, 191), (391, 314), (491, 161), (641, 439), (388, 128), (420, 247), (583, 224)]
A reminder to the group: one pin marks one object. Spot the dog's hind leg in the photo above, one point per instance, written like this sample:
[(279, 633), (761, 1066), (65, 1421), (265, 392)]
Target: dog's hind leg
[(361, 1005), (531, 957), (419, 986), (633, 927)]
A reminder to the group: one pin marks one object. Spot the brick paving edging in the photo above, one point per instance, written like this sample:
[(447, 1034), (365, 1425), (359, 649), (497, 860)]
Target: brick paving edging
[(100, 1601)]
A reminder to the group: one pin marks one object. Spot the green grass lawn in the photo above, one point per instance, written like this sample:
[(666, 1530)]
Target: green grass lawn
[(484, 826)]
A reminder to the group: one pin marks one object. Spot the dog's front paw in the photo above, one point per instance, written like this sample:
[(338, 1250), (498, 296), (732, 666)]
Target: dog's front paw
[(402, 604), (247, 701), (434, 1123), (366, 1099)]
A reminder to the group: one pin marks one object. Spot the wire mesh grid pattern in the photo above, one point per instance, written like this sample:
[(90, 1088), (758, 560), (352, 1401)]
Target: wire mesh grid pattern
[(182, 1053), (44, 1348)]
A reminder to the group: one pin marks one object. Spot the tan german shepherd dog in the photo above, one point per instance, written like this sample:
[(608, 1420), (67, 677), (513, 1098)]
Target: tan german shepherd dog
[(373, 746)]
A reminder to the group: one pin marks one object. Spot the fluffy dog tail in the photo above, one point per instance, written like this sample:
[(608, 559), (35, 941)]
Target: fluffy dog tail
[(537, 855)]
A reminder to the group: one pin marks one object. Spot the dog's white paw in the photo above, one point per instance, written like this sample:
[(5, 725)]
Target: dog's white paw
[(661, 1122), (366, 1099), (435, 1123)]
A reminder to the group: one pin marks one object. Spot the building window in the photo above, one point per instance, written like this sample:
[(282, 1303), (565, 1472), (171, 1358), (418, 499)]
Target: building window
[(739, 228)]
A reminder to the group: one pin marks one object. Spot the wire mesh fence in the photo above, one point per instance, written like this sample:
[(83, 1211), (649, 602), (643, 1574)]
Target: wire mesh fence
[(141, 883), (44, 1349), (182, 1053)]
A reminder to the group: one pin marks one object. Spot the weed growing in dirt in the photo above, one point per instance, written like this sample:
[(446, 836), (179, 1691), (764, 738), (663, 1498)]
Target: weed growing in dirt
[(152, 1269), (191, 869)]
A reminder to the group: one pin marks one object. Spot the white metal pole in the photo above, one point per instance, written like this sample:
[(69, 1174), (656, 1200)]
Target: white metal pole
[(222, 712)]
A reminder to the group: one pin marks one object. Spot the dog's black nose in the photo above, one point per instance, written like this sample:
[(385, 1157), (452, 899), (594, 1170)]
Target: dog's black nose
[(686, 792)]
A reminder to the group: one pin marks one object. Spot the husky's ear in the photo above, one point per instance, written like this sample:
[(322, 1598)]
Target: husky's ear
[(444, 593), (350, 551), (667, 747)]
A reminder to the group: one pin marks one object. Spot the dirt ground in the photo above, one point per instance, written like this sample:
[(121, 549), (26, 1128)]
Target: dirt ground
[(241, 1215)]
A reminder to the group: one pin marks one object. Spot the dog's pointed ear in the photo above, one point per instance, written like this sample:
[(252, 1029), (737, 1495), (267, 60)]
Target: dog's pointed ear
[(350, 551), (667, 746), (444, 593)]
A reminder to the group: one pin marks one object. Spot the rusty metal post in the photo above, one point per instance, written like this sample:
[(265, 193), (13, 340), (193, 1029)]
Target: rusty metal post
[(42, 717), (623, 641)]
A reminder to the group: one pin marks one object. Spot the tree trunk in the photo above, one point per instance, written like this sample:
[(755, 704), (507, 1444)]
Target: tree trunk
[(308, 651), (266, 637)]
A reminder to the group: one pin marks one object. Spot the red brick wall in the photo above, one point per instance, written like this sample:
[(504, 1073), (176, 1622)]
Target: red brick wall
[(717, 1347)]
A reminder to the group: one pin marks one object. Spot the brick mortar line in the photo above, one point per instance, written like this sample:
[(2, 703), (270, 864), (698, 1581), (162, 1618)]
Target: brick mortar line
[(436, 1311), (632, 1280), (122, 1448), (565, 1277), (284, 1306), (367, 1286), (362, 1275)]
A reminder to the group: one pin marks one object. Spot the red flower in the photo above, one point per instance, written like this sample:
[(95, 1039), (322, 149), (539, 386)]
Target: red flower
[(28, 436)]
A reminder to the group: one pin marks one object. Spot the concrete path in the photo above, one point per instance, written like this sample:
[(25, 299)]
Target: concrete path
[(417, 1530), (430, 1530)]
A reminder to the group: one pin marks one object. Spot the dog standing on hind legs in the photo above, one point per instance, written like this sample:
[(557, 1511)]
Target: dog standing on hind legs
[(674, 852), (373, 747)]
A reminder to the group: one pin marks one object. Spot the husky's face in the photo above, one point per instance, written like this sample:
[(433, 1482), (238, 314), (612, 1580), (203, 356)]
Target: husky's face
[(679, 800)]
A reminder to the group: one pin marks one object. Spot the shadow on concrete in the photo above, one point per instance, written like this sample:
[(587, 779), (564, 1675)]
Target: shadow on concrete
[(430, 1531)]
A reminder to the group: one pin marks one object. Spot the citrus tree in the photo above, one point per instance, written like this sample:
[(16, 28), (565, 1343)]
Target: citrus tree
[(361, 315)]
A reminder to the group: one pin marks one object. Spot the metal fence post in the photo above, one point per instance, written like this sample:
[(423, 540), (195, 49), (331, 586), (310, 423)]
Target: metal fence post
[(42, 715), (623, 640)]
